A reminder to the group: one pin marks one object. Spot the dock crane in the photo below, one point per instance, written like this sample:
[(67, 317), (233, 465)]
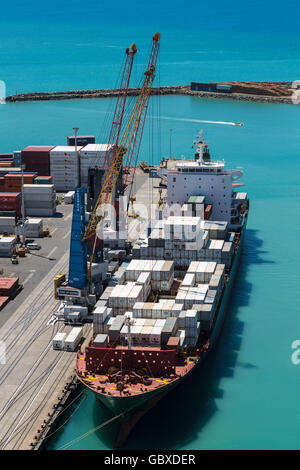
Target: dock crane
[(129, 145), (78, 249)]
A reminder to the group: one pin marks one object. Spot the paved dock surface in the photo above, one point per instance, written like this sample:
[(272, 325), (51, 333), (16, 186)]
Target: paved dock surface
[(34, 374)]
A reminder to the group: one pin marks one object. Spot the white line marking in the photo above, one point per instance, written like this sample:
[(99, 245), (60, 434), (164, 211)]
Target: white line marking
[(53, 231), (52, 251), (69, 216), (27, 278), (36, 395), (67, 234)]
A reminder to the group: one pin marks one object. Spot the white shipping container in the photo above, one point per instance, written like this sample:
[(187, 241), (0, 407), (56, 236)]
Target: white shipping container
[(58, 342), (73, 338)]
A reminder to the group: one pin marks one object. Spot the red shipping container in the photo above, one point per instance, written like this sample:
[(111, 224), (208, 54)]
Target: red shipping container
[(37, 159), (11, 202), (1, 184), (8, 285)]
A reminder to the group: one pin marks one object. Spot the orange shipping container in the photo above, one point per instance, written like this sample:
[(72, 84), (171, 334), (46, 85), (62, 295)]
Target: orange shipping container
[(6, 164)]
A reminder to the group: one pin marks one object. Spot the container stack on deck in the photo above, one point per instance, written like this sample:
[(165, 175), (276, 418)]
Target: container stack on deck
[(186, 238)]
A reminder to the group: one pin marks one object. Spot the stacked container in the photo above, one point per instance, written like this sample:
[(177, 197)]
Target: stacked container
[(101, 341), (206, 314), (43, 180), (64, 167), (13, 181), (115, 329), (7, 246), (80, 139), (17, 158), (169, 329), (91, 156), (227, 253), (40, 199), (11, 202), (191, 327), (7, 225), (37, 159)]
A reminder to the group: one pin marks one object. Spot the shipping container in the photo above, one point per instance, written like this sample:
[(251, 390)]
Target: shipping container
[(37, 158), (11, 202), (58, 342), (73, 339)]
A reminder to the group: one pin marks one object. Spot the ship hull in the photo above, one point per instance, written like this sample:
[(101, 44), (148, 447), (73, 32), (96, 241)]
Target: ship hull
[(131, 408)]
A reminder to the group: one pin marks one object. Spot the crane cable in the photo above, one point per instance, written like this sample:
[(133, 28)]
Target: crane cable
[(79, 438)]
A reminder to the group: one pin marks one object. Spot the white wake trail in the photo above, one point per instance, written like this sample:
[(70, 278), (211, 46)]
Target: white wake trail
[(196, 120)]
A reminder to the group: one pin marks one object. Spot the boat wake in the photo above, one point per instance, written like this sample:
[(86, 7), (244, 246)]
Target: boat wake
[(197, 120)]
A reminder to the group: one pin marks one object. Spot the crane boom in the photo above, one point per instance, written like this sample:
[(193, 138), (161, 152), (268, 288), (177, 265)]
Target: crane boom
[(133, 152), (132, 130), (115, 130)]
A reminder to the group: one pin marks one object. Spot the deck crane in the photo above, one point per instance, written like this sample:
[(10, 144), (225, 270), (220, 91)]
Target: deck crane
[(133, 152), (130, 142), (114, 135), (113, 140), (78, 250)]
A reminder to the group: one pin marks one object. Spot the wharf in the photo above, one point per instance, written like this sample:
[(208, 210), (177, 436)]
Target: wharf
[(34, 376)]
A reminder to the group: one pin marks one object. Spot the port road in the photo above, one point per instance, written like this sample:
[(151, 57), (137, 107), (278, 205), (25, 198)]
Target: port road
[(36, 265)]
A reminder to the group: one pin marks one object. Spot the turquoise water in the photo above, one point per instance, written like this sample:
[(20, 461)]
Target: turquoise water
[(246, 394)]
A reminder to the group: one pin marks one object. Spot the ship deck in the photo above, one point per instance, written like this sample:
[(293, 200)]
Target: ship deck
[(133, 383)]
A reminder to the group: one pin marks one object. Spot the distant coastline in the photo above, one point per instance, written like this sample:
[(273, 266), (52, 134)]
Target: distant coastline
[(271, 92)]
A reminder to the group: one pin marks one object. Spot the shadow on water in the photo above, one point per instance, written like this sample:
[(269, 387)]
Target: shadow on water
[(181, 416)]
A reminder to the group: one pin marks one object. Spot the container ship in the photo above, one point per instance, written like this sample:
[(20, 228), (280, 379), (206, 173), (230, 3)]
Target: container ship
[(162, 317)]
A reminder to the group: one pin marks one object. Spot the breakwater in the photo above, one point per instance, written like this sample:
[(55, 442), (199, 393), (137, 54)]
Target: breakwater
[(254, 92)]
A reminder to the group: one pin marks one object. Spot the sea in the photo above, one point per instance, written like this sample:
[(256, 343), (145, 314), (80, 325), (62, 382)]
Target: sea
[(246, 395)]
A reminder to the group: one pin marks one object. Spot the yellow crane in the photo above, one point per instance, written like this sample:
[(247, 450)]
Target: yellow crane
[(132, 134)]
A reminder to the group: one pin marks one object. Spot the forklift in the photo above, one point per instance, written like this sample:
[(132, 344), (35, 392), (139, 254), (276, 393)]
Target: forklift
[(14, 259)]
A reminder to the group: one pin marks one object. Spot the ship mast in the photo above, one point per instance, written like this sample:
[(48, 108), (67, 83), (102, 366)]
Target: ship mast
[(129, 323)]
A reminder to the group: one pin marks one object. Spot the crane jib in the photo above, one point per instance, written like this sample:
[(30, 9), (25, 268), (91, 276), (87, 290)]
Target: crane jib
[(128, 147)]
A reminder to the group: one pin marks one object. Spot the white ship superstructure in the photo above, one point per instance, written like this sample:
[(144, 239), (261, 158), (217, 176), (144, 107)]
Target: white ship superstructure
[(211, 179)]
